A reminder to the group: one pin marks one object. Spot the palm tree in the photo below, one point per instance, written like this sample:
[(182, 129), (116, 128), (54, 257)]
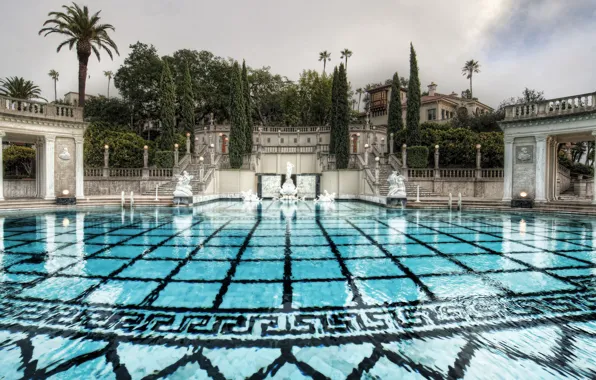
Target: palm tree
[(54, 75), (470, 67), (359, 91), (83, 31), (346, 53), (324, 56), (110, 75), (19, 88)]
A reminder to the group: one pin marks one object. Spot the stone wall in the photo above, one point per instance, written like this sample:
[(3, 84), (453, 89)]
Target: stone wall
[(276, 163), (110, 186), (19, 188), (468, 187), (64, 166), (341, 182), (235, 181)]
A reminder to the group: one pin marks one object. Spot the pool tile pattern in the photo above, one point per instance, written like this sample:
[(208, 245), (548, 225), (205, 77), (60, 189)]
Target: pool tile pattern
[(358, 278)]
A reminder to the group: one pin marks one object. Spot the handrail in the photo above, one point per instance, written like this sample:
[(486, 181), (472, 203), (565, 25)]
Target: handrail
[(34, 108), (551, 107)]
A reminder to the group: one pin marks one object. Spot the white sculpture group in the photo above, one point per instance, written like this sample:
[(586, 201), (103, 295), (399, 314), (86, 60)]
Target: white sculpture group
[(183, 187), (249, 196), (326, 197), (397, 186)]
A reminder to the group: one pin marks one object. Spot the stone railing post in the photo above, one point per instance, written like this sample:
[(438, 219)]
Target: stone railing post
[(366, 146), (377, 164), (145, 162), (201, 169), (437, 174), (391, 141), (260, 144), (106, 160), (478, 161), (187, 142), (404, 160), (196, 153), (204, 135), (383, 147), (176, 156)]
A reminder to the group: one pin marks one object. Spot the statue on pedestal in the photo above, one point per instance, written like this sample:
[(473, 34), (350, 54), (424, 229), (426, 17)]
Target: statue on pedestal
[(397, 186), (183, 187)]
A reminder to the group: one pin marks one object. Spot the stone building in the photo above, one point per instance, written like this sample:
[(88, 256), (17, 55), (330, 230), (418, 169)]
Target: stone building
[(435, 107), (72, 98)]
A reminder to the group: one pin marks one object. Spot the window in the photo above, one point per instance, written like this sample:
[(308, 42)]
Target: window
[(442, 114), (451, 115), (295, 140), (268, 139), (431, 114), (320, 139), (308, 139), (282, 140)]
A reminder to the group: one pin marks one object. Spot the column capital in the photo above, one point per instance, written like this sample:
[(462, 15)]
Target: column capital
[(79, 140), (2, 134), (509, 139), (50, 138), (594, 133), (540, 138)]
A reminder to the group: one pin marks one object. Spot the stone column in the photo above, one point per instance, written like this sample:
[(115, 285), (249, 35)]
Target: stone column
[(377, 170), (2, 134), (508, 169), (555, 168), (212, 153), (187, 143), (437, 175), (176, 155), (391, 142), (478, 161), (50, 193), (201, 169), (79, 169), (540, 169), (197, 146), (383, 146), (39, 169), (106, 160), (145, 162), (548, 169), (594, 183)]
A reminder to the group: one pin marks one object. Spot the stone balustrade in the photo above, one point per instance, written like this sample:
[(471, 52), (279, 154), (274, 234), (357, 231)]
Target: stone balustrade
[(20, 107), (129, 172), (288, 149), (552, 107)]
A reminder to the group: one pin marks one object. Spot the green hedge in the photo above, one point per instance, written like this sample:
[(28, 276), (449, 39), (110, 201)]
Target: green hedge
[(19, 161), (126, 148), (164, 159), (417, 157), (458, 145)]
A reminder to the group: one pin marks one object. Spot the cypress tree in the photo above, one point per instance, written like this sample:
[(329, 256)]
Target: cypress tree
[(237, 119), (395, 122), (167, 109), (187, 104), (413, 102), (247, 107), (342, 136), (333, 113)]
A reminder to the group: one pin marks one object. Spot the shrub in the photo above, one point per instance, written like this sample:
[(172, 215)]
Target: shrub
[(126, 148), (418, 157), (164, 159), (582, 169), (18, 160)]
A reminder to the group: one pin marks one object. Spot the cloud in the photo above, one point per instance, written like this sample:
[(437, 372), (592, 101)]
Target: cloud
[(544, 44)]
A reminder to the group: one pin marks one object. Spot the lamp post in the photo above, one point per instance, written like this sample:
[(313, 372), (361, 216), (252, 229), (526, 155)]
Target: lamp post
[(391, 141), (437, 175), (187, 142), (106, 160), (176, 156), (145, 173), (478, 161), (366, 146), (212, 153), (201, 169)]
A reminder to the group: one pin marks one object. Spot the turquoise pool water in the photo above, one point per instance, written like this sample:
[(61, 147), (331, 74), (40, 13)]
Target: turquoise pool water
[(351, 290)]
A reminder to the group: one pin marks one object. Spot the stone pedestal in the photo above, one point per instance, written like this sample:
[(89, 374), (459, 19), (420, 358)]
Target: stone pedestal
[(182, 201), (522, 203), (66, 200), (397, 201)]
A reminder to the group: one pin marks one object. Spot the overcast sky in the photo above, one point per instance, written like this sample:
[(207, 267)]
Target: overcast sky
[(548, 45)]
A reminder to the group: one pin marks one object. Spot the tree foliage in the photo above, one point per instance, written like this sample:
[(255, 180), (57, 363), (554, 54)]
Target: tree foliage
[(248, 109), (187, 104), (395, 122), (19, 88), (126, 148), (83, 31), (167, 112), (342, 136), (334, 112), (113, 111), (18, 160), (237, 119), (413, 102)]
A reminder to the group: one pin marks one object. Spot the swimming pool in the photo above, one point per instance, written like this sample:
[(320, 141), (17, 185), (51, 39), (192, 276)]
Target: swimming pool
[(351, 290)]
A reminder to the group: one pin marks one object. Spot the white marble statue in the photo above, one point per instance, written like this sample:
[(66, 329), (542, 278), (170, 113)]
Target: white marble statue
[(326, 197), (288, 191), (249, 196), (397, 185), (183, 187), (64, 155)]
